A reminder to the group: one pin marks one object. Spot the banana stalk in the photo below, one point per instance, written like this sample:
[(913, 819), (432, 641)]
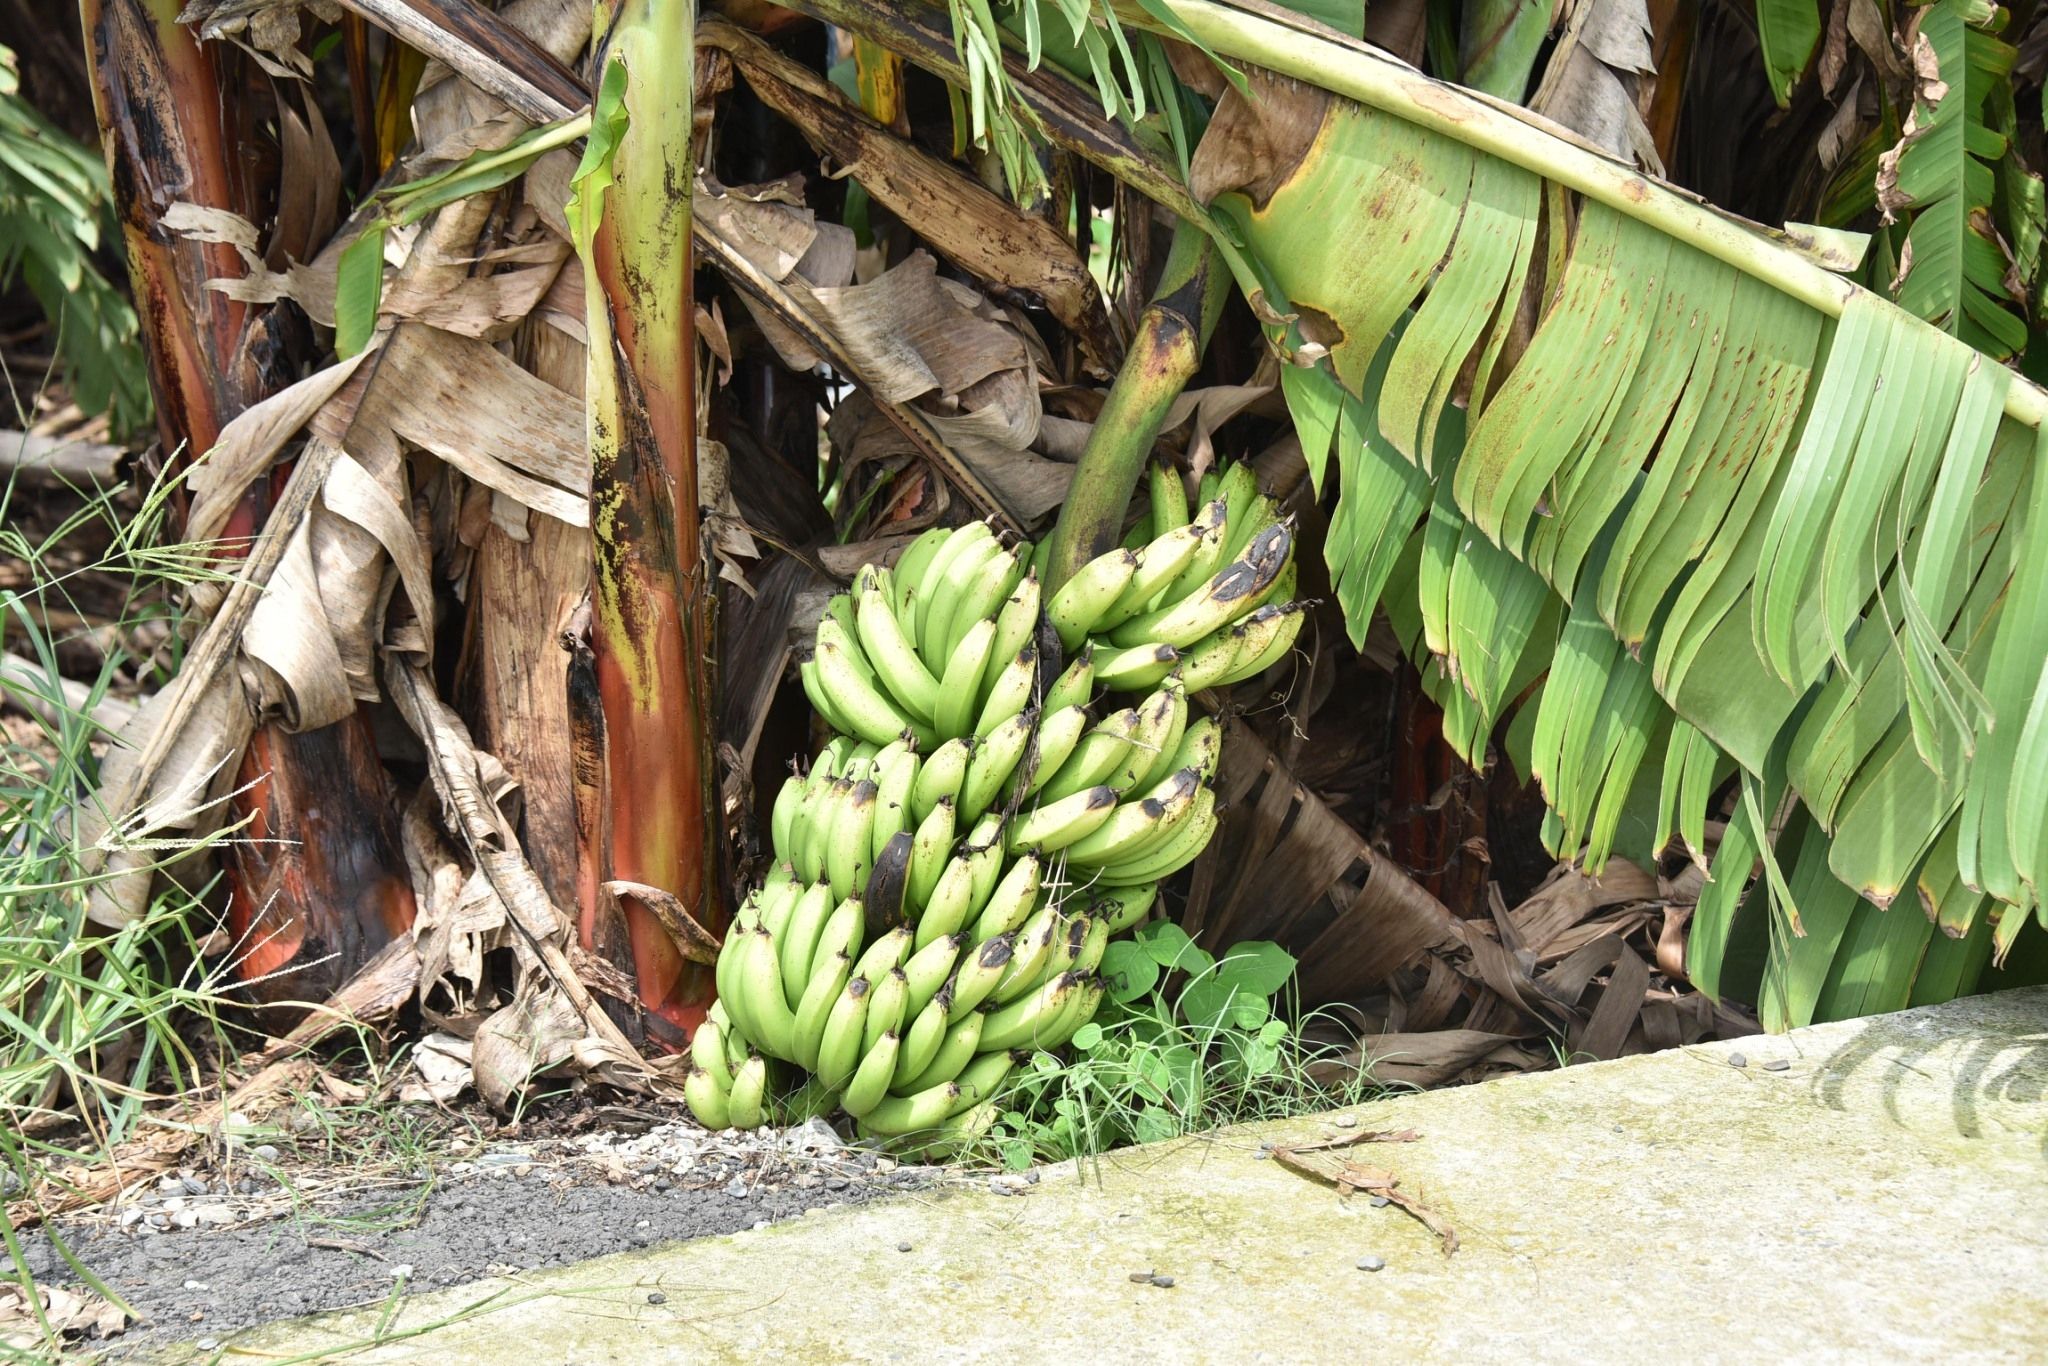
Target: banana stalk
[(172, 124), (652, 597), (1172, 334)]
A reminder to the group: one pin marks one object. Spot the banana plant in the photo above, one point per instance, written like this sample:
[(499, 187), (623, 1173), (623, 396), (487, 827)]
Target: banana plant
[(652, 592)]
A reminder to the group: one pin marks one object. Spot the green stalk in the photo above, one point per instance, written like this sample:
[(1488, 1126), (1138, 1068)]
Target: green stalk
[(1167, 350), (652, 591)]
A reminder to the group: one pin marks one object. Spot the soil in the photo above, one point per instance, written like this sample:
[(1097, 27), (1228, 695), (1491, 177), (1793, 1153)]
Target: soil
[(201, 1255)]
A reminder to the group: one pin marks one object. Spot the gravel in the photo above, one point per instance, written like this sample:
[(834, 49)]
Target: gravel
[(1778, 1065), (1737, 1060), (192, 1255), (1371, 1263)]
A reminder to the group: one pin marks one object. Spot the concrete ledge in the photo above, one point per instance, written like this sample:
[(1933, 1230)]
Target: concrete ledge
[(1884, 1196)]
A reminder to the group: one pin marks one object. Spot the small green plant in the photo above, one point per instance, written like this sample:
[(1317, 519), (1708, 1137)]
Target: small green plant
[(1184, 1042), (54, 216)]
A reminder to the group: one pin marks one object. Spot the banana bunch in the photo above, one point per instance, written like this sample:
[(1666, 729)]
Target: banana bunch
[(940, 647), (1205, 597)]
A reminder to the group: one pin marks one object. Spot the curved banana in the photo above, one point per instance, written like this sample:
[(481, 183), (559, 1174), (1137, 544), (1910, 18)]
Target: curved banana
[(1162, 765), (821, 700), (949, 905), (1075, 685), (820, 994), (1016, 625), (1139, 826), (1081, 600), (869, 714), (1093, 946), (959, 700), (782, 818), (1022, 1022), (1201, 748), (929, 848), (839, 1043), (849, 851), (770, 1023), (707, 1050), (920, 1041), (799, 938), (1053, 826), (870, 1081), (888, 1008), (709, 1101), (1037, 942), (895, 772), (1010, 901), (749, 1090), (908, 571), (1079, 1011), (968, 575), (979, 1079), (887, 953), (1158, 717), (940, 776), (1179, 851), (1232, 593), (1160, 562), (1207, 663), (1136, 667), (1169, 497), (842, 932), (1100, 752), (939, 579), (929, 967), (1263, 641), (1058, 732), (962, 1040), (897, 1116), (1212, 524), (895, 660), (983, 594), (984, 849), (1010, 691), (1123, 908), (977, 976), (994, 762)]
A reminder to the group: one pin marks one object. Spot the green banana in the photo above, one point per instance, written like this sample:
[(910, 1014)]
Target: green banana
[(849, 852), (1169, 744), (1123, 908), (960, 689), (814, 830), (842, 932), (940, 776), (1262, 641), (928, 850), (929, 967), (936, 578), (782, 818), (869, 714), (1016, 624), (1075, 685), (983, 595), (1178, 851), (1058, 732), (888, 1006), (1208, 662), (820, 993), (1232, 593), (895, 773), (1213, 524), (1053, 826), (777, 905), (1169, 497), (887, 953), (1100, 752), (898, 1116), (1140, 826), (1093, 946), (978, 974), (778, 876), (1250, 510), (951, 902), (709, 1100), (1022, 1022), (1159, 564), (749, 1089), (869, 1084), (894, 658), (908, 571), (821, 700), (799, 938), (962, 1040), (1010, 901), (1156, 720), (1135, 667), (728, 951), (1080, 1010), (984, 849), (769, 1024), (979, 1079), (845, 1025), (1010, 691), (968, 575), (707, 1050), (1201, 747), (920, 1041), (1037, 941), (993, 763), (1081, 601)]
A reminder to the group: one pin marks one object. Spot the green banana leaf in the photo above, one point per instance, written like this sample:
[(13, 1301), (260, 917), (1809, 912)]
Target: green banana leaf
[(1699, 507)]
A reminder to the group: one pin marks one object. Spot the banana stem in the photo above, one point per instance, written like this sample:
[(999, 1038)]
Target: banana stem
[(1164, 355), (652, 591)]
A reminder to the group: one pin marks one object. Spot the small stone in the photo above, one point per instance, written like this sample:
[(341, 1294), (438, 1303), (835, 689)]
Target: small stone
[(1737, 1060), (193, 1185), (1372, 1263), (1345, 1121), (195, 1285), (131, 1216), (1007, 1183), (214, 1214), (737, 1188), (400, 1271), (903, 1247), (264, 1152), (186, 1218), (207, 1344), (656, 1297), (1163, 1282), (1261, 1155), (1778, 1065), (1141, 1278)]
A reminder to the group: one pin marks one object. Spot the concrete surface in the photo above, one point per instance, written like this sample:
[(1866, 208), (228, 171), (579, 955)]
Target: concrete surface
[(1885, 1197)]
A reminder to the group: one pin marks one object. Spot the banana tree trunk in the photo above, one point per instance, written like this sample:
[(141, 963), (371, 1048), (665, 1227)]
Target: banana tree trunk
[(652, 597), (319, 883)]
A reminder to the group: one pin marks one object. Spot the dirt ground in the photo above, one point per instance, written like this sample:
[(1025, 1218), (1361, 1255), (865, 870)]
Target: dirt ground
[(201, 1254)]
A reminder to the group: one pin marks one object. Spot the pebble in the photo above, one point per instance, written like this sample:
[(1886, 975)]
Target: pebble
[(207, 1344), (193, 1185), (1141, 1277), (1261, 1155), (656, 1297), (1778, 1065), (186, 1218), (1737, 1060), (1382, 1201), (1007, 1183), (195, 1285), (1163, 1282), (1345, 1121), (131, 1216), (265, 1152), (737, 1188), (903, 1247), (1372, 1263)]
